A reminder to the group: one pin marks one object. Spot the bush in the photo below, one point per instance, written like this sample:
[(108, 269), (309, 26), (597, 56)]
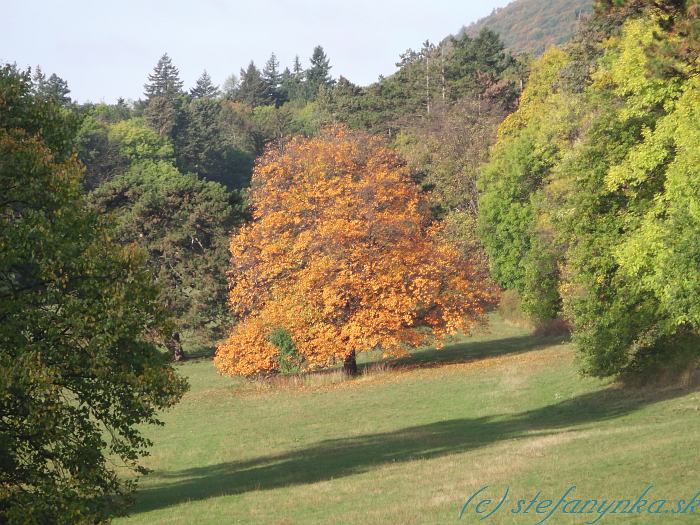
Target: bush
[(290, 361)]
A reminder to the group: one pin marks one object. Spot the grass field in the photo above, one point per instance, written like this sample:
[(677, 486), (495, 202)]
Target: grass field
[(409, 444)]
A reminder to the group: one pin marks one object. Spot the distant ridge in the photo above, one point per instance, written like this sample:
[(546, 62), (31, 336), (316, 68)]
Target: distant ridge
[(530, 26)]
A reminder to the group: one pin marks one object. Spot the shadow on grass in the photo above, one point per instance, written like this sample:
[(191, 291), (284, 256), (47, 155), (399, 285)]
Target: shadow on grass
[(474, 350), (457, 353), (337, 458)]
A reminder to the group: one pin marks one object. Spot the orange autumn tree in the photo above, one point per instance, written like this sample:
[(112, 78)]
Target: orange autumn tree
[(343, 256)]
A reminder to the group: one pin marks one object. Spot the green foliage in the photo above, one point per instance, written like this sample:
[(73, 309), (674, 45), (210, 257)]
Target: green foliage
[(290, 361), (183, 223), (53, 88), (103, 158), (474, 62), (594, 210), (434, 81), (138, 143), (78, 377)]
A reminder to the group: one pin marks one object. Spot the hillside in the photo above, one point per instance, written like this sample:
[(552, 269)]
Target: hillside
[(530, 26)]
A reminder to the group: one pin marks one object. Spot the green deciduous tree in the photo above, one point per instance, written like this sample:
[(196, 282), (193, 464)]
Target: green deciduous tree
[(78, 377)]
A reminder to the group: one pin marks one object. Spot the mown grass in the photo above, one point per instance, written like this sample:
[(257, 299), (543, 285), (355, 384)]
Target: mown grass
[(409, 441)]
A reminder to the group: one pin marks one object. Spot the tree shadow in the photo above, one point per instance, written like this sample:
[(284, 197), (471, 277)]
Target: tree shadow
[(343, 457), (468, 351)]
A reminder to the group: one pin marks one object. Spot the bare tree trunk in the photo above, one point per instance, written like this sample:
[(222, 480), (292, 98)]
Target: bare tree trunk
[(350, 364), (175, 347)]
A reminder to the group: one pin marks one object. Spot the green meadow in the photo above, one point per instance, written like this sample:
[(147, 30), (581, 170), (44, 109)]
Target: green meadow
[(409, 441)]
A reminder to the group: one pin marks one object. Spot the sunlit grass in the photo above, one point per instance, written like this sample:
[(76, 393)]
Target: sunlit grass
[(409, 440)]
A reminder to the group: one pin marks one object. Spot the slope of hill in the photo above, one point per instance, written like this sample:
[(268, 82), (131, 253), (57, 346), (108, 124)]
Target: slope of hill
[(530, 26)]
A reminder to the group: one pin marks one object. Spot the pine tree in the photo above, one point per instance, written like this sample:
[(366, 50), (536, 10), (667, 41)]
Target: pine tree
[(204, 88), (271, 73), (251, 89), (164, 81), (319, 72)]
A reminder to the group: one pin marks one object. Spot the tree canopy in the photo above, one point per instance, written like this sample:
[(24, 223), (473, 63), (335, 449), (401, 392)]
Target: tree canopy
[(78, 375)]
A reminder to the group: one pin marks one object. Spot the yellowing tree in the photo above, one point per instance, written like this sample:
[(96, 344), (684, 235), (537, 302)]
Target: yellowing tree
[(342, 256)]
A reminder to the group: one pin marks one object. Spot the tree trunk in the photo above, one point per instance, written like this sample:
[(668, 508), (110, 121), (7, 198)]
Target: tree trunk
[(350, 364), (175, 347)]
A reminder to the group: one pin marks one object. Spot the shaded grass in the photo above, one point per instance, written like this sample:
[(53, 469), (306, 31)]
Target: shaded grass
[(409, 442)]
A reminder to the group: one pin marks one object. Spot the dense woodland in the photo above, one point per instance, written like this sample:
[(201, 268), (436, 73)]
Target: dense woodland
[(290, 214)]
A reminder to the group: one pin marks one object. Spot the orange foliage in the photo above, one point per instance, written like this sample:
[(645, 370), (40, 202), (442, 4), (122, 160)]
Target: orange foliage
[(343, 255)]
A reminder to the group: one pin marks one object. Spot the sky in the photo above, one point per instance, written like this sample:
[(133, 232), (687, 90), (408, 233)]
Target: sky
[(105, 49)]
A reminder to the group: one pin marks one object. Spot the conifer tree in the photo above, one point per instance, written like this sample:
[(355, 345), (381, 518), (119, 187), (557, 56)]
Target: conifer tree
[(38, 80), (297, 68), (319, 72), (53, 87), (272, 78), (57, 89), (162, 90), (204, 88), (292, 81), (251, 89), (164, 81)]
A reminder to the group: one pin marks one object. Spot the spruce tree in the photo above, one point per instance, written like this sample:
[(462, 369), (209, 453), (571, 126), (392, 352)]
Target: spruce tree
[(272, 78), (164, 81), (204, 88), (293, 82), (319, 72), (251, 89), (162, 91)]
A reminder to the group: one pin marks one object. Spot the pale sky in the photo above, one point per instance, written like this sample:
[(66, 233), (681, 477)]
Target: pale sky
[(105, 49)]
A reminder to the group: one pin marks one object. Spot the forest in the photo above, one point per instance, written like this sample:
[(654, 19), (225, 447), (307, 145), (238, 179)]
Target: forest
[(290, 221)]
